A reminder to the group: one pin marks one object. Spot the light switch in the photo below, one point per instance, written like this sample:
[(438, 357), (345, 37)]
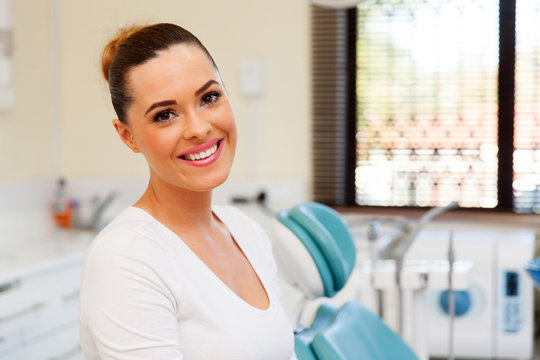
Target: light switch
[(253, 73)]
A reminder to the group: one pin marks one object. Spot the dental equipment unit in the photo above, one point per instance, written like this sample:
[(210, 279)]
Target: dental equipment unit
[(451, 309)]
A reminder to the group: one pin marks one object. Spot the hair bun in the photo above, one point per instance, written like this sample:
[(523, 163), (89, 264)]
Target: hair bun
[(110, 49)]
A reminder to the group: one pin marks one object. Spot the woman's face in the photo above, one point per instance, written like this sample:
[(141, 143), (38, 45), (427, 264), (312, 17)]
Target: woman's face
[(181, 119)]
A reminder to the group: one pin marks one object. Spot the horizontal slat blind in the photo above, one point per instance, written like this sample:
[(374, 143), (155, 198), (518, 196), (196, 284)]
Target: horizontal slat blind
[(427, 103)]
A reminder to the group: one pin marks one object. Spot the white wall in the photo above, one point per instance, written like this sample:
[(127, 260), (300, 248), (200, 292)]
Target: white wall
[(61, 123)]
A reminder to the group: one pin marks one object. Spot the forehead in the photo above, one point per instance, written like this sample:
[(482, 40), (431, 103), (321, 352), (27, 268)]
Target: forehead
[(180, 67)]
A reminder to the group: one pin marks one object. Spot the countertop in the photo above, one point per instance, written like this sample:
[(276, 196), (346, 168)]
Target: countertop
[(30, 242)]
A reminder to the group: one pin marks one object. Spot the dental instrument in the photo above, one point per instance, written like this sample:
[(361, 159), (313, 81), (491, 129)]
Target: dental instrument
[(451, 296)]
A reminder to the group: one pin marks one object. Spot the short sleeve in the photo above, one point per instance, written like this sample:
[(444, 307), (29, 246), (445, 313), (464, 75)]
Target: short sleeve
[(126, 306)]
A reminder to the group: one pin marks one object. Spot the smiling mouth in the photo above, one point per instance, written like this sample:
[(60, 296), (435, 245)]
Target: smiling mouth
[(202, 154)]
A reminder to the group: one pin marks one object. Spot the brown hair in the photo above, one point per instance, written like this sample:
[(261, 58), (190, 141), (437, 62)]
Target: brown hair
[(134, 46)]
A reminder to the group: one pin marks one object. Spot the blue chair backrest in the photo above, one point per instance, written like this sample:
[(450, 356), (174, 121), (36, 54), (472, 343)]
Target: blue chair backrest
[(357, 333), (302, 341)]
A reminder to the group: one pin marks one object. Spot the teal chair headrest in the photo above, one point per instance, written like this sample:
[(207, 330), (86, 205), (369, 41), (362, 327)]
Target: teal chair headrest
[(314, 251), (328, 240)]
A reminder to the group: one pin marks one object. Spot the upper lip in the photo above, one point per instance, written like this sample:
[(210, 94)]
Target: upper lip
[(201, 147)]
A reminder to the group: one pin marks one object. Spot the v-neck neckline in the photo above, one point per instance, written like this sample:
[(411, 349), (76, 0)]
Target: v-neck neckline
[(238, 241)]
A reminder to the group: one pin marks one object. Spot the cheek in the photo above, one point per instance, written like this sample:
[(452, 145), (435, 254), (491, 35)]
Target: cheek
[(229, 125), (230, 128), (154, 143)]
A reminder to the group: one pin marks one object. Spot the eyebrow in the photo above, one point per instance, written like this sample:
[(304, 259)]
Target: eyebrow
[(159, 104), (206, 86)]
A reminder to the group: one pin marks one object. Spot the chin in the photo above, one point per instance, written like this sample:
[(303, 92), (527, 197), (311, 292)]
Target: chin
[(210, 184)]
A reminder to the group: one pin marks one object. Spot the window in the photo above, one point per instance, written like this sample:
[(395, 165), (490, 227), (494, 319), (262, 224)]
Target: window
[(432, 117)]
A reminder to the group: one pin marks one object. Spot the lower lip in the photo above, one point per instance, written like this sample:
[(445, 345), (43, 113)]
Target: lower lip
[(207, 161)]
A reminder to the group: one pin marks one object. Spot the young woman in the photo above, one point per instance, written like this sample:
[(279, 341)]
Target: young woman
[(173, 277)]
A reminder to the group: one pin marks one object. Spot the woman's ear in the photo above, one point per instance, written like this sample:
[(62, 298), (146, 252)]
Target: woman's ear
[(126, 135)]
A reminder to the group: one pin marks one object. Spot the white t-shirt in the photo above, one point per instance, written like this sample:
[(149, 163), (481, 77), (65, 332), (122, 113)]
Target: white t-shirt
[(146, 295)]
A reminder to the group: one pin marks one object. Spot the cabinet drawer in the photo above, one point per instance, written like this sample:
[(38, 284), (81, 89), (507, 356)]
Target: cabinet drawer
[(57, 314), (38, 303), (19, 307), (63, 345)]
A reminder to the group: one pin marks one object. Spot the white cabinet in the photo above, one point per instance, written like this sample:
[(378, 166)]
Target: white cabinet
[(38, 311)]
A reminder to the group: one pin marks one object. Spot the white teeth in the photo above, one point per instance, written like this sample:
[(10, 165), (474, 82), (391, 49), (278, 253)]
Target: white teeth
[(202, 154)]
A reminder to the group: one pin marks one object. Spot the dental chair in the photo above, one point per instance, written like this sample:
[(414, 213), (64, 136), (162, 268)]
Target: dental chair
[(317, 255)]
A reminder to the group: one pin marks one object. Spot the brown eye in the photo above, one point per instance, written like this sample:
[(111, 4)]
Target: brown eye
[(164, 116), (210, 98)]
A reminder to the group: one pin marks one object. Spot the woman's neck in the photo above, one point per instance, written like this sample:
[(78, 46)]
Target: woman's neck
[(175, 207)]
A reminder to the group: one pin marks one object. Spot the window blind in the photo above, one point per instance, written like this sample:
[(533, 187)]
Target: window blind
[(333, 104), (427, 103), (446, 104)]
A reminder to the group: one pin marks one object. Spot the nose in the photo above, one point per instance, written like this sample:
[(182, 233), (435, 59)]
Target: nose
[(196, 125)]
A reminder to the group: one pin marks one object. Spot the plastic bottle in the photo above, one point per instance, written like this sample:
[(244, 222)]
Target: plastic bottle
[(62, 206)]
